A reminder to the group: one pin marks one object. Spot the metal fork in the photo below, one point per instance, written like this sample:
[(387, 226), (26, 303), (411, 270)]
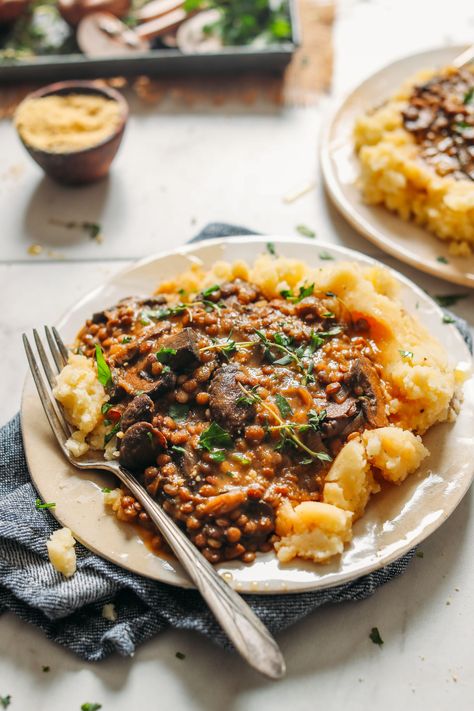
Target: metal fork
[(246, 632)]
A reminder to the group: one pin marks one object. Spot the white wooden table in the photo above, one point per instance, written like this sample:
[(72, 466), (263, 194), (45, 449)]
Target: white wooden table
[(176, 172)]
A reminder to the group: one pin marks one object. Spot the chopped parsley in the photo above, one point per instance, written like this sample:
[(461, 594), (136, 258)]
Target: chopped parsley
[(176, 449), (103, 370), (283, 405), (5, 701), (88, 706), (112, 433), (45, 669), (40, 506), (448, 319), (325, 256), (271, 249), (405, 354), (442, 260), (126, 339), (468, 97), (178, 411), (375, 636), (447, 300), (210, 290), (106, 490), (215, 440), (304, 291), (180, 655), (240, 458), (164, 354), (305, 231)]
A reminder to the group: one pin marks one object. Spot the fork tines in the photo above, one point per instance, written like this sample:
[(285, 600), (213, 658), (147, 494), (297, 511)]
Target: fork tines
[(59, 355)]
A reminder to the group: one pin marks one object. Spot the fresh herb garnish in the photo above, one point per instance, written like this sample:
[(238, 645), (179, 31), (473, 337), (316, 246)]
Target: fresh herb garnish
[(126, 339), (88, 706), (176, 449), (215, 440), (325, 256), (103, 370), (468, 97), (283, 405), (419, 554), (93, 229), (5, 701), (375, 636), (240, 458), (271, 249), (150, 436), (448, 319), (106, 490), (210, 290), (442, 259), (405, 354), (286, 429), (304, 291), (305, 231), (180, 655), (106, 407), (40, 506), (45, 669), (164, 354), (447, 300), (178, 411), (112, 433), (462, 125)]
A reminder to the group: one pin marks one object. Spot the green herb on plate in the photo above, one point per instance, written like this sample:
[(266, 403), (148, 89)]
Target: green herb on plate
[(375, 636), (305, 231)]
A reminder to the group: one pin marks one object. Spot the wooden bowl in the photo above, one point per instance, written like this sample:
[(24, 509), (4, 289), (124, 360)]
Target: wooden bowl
[(89, 164)]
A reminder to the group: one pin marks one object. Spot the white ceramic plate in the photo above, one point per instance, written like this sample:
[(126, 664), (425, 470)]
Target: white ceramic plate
[(407, 241), (395, 520)]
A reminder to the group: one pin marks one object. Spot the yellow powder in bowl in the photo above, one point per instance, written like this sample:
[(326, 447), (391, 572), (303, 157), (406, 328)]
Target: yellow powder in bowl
[(67, 123)]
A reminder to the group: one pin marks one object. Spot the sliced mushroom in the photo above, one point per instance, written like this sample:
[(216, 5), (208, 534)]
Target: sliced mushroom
[(141, 409), (225, 401), (140, 445)]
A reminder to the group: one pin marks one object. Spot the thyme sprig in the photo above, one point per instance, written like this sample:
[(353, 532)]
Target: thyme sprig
[(287, 429)]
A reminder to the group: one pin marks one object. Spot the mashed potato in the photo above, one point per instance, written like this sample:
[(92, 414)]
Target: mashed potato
[(82, 396), (394, 174), (61, 551)]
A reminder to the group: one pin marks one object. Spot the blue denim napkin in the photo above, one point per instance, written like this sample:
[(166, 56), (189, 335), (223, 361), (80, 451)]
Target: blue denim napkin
[(69, 611)]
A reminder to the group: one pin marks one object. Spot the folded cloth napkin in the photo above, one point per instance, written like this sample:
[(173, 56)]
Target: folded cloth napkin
[(69, 611)]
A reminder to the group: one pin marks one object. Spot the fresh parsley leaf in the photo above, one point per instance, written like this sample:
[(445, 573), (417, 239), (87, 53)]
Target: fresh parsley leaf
[(325, 256), (218, 455), (178, 411), (304, 291), (240, 458), (442, 259), (210, 290), (419, 554), (112, 433), (103, 370), (468, 96), (45, 669), (463, 125), (215, 438), (164, 354), (405, 354), (375, 636), (305, 231), (180, 655), (40, 506), (150, 436), (106, 407), (166, 369), (5, 701), (283, 405), (447, 300), (88, 706), (448, 319), (126, 339), (92, 228), (271, 249), (176, 449)]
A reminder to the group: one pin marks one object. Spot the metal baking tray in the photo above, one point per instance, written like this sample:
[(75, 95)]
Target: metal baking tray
[(157, 62)]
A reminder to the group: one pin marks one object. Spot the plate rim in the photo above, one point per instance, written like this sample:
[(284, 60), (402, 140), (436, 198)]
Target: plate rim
[(348, 210), (184, 249)]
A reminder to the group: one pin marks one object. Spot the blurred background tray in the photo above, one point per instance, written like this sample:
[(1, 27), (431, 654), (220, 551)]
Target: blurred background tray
[(155, 62)]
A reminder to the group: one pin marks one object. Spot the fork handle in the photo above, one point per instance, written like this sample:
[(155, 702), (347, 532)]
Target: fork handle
[(247, 633)]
